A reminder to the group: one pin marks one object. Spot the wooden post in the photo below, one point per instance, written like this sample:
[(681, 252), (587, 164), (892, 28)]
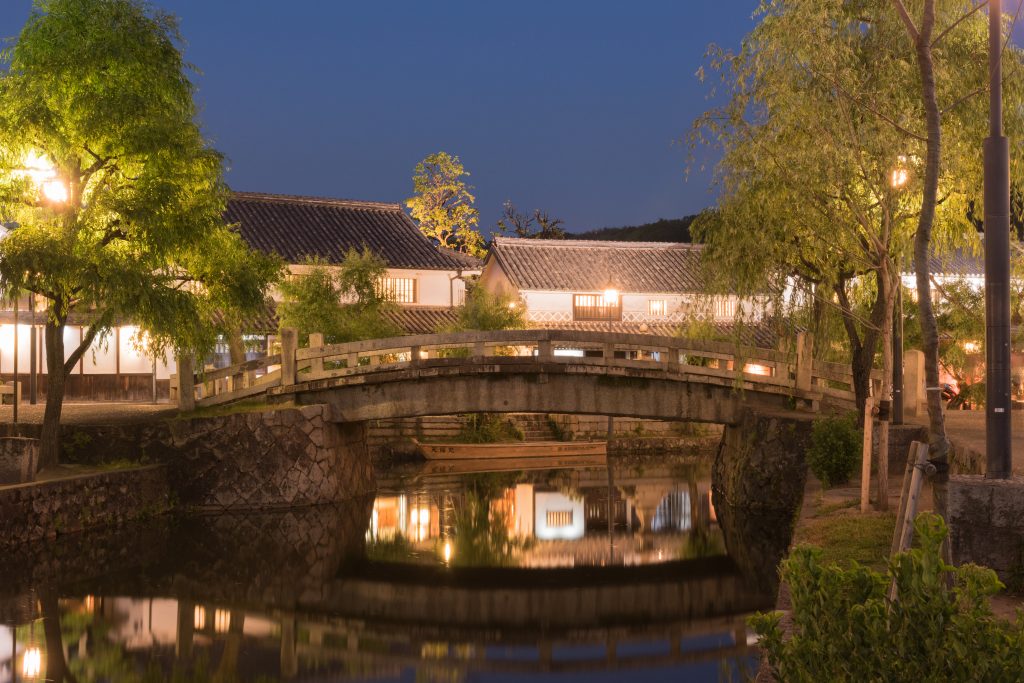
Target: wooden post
[(906, 524), (316, 365), (289, 343), (907, 475), (865, 465), (186, 384), (804, 361), (882, 504)]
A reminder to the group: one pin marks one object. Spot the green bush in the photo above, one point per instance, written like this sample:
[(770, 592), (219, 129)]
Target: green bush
[(835, 449), (845, 628)]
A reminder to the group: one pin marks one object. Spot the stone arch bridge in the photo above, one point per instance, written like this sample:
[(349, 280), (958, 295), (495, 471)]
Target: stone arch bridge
[(540, 371)]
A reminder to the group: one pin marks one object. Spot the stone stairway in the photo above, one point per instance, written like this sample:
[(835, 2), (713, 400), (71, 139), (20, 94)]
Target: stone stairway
[(534, 426)]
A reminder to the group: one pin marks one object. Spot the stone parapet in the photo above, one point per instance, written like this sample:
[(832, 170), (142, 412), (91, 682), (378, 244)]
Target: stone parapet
[(986, 520)]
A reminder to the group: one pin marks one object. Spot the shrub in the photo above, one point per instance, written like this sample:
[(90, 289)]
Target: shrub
[(835, 449), (845, 628)]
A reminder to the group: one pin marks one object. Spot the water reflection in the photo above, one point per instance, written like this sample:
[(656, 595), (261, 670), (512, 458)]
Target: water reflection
[(443, 577)]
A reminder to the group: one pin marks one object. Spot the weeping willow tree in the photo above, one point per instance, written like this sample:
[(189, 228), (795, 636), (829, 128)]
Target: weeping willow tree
[(112, 198), (824, 154)]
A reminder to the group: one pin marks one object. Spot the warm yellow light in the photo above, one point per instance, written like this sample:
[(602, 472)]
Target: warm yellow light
[(971, 347), (755, 369), (611, 296), (32, 663), (899, 176), (90, 603), (447, 552), (43, 175), (200, 618), (221, 620), (55, 191), (512, 305)]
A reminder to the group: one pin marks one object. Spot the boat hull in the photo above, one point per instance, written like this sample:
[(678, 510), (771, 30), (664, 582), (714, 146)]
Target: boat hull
[(519, 450)]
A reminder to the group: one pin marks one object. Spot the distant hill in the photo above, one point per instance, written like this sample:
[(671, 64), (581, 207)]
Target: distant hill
[(662, 230)]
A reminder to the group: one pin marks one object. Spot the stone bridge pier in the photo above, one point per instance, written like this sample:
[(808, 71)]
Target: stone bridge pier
[(757, 488)]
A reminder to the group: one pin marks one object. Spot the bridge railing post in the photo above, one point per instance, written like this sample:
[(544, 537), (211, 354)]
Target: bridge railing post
[(479, 349), (415, 353), (316, 365), (804, 361), (289, 344), (544, 349), (608, 352), (186, 384)]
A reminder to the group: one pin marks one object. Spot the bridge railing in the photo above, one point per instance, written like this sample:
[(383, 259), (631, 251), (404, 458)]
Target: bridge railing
[(746, 366)]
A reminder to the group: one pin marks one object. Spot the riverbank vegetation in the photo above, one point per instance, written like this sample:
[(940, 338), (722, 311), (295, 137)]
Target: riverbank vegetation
[(906, 624)]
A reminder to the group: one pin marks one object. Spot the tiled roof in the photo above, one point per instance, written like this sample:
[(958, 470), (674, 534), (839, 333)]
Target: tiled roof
[(753, 335), (300, 227), (962, 262), (585, 265), (423, 319)]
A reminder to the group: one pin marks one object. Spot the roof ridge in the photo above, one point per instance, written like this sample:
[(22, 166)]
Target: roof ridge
[(308, 199), (617, 244)]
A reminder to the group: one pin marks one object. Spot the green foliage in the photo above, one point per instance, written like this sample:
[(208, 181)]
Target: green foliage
[(539, 226), (482, 537), (846, 629), (344, 303), (822, 105), (488, 428), (98, 90), (484, 310), (836, 444), (442, 204)]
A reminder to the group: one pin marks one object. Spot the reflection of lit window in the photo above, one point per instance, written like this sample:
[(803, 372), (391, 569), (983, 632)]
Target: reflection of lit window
[(221, 620), (557, 519), (90, 603), (32, 663), (200, 619), (656, 307), (755, 369), (447, 552)]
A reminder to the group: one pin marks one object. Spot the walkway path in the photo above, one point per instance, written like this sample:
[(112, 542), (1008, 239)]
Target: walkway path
[(91, 413)]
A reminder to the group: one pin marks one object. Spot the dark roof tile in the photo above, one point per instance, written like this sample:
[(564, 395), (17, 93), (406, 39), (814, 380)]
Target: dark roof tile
[(300, 227), (585, 265)]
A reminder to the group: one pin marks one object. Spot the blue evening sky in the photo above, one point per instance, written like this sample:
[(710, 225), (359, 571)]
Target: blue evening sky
[(573, 106)]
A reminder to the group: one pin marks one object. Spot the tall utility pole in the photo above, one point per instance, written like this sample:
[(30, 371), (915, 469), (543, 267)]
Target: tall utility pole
[(998, 447)]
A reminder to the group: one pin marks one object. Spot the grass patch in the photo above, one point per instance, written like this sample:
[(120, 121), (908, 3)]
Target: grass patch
[(849, 536)]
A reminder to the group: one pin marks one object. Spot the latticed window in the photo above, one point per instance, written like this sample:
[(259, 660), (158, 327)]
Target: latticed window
[(657, 307), (725, 307), (595, 307), (557, 519), (401, 290)]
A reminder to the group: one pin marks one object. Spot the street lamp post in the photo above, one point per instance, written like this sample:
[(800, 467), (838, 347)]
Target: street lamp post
[(997, 265)]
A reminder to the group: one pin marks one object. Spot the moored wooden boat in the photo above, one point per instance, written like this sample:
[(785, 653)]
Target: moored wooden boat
[(477, 465), (519, 449)]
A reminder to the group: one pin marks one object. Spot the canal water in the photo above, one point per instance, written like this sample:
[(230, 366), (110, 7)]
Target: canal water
[(561, 570)]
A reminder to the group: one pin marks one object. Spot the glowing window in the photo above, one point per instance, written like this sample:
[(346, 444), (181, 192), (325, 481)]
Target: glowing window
[(401, 290), (657, 307)]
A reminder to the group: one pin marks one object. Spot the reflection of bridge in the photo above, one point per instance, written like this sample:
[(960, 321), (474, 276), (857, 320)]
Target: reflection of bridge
[(305, 571), (553, 371)]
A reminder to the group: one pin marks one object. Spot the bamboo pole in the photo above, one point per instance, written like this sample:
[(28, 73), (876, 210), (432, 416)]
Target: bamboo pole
[(907, 474)]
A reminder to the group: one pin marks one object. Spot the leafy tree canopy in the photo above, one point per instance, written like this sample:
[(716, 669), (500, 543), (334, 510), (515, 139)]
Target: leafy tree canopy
[(442, 204), (112, 198), (345, 303), (485, 310)]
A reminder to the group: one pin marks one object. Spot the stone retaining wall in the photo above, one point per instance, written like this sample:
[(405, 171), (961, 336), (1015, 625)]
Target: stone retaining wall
[(986, 520), (250, 460), (64, 506)]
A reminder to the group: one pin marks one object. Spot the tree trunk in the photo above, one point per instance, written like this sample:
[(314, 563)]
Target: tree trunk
[(236, 346), (887, 295), (862, 349), (939, 446), (49, 438)]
